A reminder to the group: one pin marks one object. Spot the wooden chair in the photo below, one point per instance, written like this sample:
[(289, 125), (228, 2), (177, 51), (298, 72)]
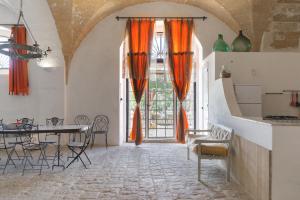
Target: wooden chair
[(216, 144)]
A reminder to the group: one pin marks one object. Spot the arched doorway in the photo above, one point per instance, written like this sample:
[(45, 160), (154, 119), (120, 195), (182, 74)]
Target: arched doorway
[(159, 103), (96, 72)]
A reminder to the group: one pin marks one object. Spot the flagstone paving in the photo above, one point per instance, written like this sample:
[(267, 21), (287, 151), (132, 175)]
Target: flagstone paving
[(149, 171)]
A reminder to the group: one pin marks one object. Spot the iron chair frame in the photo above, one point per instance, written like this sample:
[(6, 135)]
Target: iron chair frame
[(28, 145), (6, 146), (53, 121), (20, 123), (73, 146), (101, 130), (80, 120)]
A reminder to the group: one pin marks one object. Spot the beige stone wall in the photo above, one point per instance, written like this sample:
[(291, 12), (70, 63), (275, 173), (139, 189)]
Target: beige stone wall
[(75, 18), (272, 25), (251, 168), (284, 31)]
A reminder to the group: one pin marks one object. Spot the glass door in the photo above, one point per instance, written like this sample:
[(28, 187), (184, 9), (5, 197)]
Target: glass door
[(159, 104)]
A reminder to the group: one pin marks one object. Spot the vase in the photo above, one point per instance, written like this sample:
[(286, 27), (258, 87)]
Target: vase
[(241, 43), (221, 45)]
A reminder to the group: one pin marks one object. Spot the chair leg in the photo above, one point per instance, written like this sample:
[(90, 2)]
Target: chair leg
[(15, 151), (199, 163), (106, 140), (75, 158), (188, 152), (43, 153), (41, 167), (8, 160), (82, 161), (78, 155), (228, 168), (9, 157), (24, 166), (93, 140), (87, 158)]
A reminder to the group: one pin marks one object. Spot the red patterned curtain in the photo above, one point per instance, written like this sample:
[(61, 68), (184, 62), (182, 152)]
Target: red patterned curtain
[(140, 34), (179, 38), (18, 69)]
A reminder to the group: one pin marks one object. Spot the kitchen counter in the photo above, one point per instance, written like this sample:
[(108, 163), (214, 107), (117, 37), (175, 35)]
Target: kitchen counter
[(279, 138), (273, 122)]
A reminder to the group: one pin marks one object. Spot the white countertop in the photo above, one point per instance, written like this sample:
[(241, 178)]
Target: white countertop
[(273, 122)]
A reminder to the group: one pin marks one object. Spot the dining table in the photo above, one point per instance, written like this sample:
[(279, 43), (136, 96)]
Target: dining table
[(58, 130)]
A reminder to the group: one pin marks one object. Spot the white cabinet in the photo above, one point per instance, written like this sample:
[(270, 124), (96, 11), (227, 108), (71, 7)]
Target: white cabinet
[(249, 99)]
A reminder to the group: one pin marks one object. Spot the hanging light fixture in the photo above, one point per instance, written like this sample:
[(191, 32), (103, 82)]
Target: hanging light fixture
[(12, 49)]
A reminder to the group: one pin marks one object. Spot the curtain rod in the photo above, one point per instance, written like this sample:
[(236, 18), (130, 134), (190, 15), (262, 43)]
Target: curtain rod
[(11, 24), (202, 18)]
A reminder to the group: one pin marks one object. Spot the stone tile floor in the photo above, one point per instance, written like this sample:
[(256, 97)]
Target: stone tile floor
[(149, 171)]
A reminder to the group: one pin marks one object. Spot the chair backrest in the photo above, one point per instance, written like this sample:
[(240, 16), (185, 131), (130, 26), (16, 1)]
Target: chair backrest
[(25, 120), (2, 140), (100, 124), (5, 136), (26, 137), (221, 132), (54, 121), (82, 120), (12, 126), (88, 135)]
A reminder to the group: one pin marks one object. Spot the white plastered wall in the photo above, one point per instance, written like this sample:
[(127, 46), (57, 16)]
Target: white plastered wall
[(46, 97), (94, 77)]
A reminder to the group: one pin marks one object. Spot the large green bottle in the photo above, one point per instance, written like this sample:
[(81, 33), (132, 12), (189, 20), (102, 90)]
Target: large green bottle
[(241, 43), (221, 45)]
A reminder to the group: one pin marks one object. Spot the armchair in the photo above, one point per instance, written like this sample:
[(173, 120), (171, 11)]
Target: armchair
[(215, 145)]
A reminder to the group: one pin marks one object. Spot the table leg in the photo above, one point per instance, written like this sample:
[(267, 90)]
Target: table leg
[(58, 154)]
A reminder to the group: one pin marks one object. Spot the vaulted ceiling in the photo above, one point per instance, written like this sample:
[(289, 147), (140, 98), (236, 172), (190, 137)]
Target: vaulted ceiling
[(75, 18)]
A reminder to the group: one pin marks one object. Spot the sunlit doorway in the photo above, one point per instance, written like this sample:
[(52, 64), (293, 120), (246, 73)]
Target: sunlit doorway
[(159, 104)]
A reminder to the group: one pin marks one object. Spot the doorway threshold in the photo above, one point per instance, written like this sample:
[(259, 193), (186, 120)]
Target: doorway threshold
[(157, 140), (160, 140)]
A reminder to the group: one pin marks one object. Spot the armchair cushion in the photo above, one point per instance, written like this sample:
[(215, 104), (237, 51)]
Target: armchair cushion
[(212, 149)]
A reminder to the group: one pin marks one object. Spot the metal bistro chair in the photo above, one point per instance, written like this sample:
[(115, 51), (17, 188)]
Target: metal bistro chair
[(29, 146), (8, 148), (54, 121), (20, 123), (100, 126), (49, 140), (78, 148), (25, 120), (79, 120)]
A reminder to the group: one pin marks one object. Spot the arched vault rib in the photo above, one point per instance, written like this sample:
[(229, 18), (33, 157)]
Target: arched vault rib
[(76, 18)]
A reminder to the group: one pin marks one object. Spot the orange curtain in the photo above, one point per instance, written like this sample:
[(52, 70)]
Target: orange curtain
[(140, 34), (18, 70), (179, 38)]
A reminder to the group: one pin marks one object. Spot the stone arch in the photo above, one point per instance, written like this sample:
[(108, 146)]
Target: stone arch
[(84, 15), (76, 18)]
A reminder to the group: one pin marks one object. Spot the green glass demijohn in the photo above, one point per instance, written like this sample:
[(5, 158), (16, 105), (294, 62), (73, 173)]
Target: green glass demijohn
[(241, 43), (221, 45)]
